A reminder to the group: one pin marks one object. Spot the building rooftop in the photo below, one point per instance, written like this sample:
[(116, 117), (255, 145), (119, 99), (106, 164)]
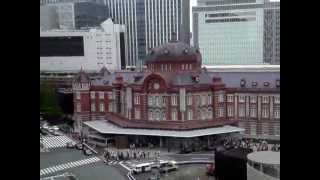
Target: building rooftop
[(106, 127)]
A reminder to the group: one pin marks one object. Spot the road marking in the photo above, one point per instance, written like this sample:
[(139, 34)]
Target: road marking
[(200, 158), (127, 168), (68, 165)]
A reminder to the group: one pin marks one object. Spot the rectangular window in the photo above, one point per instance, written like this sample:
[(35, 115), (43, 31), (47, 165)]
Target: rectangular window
[(221, 98), (169, 67), (101, 107), (190, 66), (174, 100), (209, 99), (203, 100), (241, 111), (221, 112), (265, 99), (110, 107), (277, 100), (253, 129), (157, 101), (137, 113), (265, 112), (174, 115), (253, 99), (93, 107), (182, 66), (110, 95), (229, 98), (277, 113), (150, 101), (78, 96), (190, 115), (101, 95), (189, 100), (253, 112), (78, 107), (150, 115), (92, 95), (136, 99), (164, 101), (241, 98), (230, 111)]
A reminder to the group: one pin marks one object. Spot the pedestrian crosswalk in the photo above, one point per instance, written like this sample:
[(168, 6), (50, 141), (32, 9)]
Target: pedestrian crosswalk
[(68, 165), (56, 141)]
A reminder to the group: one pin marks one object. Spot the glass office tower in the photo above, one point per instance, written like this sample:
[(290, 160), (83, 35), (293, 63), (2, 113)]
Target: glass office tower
[(233, 32), (150, 23)]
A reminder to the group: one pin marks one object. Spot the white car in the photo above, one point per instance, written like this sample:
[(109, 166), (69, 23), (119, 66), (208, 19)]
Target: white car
[(144, 167)]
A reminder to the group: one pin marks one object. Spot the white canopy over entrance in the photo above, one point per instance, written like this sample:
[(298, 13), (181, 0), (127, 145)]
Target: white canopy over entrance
[(105, 127)]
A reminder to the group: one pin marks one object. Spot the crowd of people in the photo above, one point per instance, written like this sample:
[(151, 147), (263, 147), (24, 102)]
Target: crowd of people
[(132, 153), (261, 145)]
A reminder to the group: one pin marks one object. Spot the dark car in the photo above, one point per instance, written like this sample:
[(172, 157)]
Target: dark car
[(79, 146)]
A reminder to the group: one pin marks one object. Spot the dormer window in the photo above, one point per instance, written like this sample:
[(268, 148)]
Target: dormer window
[(186, 51), (243, 83), (278, 83), (182, 66), (166, 51), (266, 84), (254, 84)]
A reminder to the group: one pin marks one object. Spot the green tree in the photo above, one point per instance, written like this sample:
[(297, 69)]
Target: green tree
[(48, 101)]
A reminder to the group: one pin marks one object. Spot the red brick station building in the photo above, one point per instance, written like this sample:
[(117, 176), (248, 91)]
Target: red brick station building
[(174, 100)]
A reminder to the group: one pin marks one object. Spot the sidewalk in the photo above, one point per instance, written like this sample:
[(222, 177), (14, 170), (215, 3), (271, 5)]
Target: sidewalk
[(152, 152)]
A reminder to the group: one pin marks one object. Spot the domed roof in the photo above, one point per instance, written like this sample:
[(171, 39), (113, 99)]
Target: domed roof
[(176, 51)]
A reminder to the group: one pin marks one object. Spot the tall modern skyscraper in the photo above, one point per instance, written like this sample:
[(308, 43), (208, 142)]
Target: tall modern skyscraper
[(237, 32), (150, 23)]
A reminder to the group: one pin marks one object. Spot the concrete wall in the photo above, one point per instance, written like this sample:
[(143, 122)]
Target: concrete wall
[(253, 174)]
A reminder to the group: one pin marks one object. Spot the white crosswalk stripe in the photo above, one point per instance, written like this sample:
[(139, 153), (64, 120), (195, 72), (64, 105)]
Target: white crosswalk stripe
[(56, 141), (68, 165)]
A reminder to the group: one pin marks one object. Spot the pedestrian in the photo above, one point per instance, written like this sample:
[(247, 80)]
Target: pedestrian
[(134, 155)]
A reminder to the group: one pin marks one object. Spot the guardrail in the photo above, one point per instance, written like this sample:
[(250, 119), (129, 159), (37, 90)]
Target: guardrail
[(86, 145)]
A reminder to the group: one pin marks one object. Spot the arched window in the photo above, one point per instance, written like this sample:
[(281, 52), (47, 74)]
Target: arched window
[(198, 115), (157, 101), (190, 114), (157, 115), (150, 115), (163, 115), (174, 115), (210, 113)]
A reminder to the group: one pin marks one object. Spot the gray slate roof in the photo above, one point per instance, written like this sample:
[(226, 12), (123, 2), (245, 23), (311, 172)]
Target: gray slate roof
[(232, 79)]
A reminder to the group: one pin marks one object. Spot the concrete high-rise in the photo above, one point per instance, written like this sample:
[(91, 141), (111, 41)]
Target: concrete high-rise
[(72, 15), (150, 23), (237, 32)]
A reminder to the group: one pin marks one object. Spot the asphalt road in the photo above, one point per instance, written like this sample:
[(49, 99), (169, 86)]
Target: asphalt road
[(185, 172), (93, 171), (191, 157)]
